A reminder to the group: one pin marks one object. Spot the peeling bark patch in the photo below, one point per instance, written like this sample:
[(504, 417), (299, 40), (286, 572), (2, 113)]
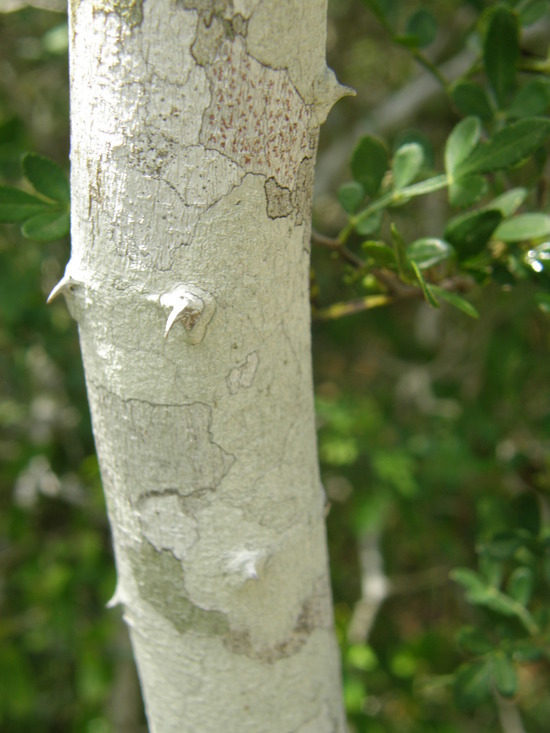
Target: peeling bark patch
[(160, 580), (172, 443), (211, 32), (242, 376), (279, 203), (130, 11), (315, 613), (302, 193), (256, 117), (166, 524)]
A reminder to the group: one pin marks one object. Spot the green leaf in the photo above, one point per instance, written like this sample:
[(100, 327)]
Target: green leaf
[(379, 253), (426, 290), (46, 177), (510, 146), (17, 205), (350, 196), (429, 251), (370, 223), (473, 640), (474, 583), (454, 299), (469, 233), (503, 545), (532, 11), (504, 675), (473, 684), (47, 226), (461, 142), (520, 585), (467, 190), (508, 203), (523, 227), (501, 53), (406, 164), (369, 163), (471, 100), (538, 258), (413, 136), (531, 100), (422, 27)]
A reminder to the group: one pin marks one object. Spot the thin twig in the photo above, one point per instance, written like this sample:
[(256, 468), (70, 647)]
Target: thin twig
[(345, 253)]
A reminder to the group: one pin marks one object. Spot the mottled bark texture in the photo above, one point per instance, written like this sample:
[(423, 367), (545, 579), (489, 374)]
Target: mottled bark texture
[(194, 133)]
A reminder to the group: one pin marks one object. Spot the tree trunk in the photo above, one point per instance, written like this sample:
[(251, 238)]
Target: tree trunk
[(194, 133)]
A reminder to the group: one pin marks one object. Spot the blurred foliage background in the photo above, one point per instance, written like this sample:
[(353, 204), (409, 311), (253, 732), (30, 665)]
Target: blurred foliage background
[(434, 432)]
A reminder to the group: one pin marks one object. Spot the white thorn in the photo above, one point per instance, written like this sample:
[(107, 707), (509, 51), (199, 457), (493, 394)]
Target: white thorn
[(66, 282), (186, 306)]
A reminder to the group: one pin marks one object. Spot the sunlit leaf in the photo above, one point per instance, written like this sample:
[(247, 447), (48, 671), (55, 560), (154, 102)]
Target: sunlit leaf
[(508, 147), (461, 142), (524, 227), (429, 251), (508, 203), (406, 164)]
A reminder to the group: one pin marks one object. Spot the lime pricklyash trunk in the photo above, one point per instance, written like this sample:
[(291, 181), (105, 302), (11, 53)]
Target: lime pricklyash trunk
[(194, 133)]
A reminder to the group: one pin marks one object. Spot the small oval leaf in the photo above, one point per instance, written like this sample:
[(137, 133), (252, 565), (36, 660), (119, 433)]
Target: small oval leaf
[(504, 675), (17, 205), (46, 177), (501, 53), (429, 251), (508, 203), (520, 585), (350, 196), (471, 99), (422, 27), (467, 190), (469, 233), (531, 100), (510, 146), (369, 163), (524, 227), (47, 226), (454, 299), (461, 142), (406, 164)]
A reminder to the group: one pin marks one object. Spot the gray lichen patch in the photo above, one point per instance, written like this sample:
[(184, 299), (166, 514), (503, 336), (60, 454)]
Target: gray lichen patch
[(161, 583), (279, 202), (130, 11)]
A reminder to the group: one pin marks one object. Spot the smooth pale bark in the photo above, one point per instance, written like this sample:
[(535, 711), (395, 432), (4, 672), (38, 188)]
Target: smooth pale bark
[(194, 133)]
